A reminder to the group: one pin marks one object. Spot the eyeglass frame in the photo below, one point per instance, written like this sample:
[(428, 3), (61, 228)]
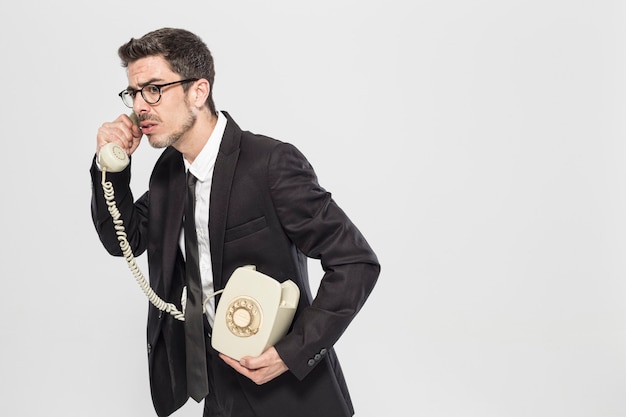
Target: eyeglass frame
[(158, 86)]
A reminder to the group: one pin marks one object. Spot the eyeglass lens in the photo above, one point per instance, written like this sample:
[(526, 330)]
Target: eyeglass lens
[(150, 93)]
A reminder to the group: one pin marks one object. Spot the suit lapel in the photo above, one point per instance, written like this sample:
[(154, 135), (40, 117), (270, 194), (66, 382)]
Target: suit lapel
[(220, 196)]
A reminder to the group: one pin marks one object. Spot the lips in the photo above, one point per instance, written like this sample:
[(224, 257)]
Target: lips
[(147, 127)]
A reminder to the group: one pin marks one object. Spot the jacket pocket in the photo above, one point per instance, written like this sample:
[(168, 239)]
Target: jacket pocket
[(245, 229)]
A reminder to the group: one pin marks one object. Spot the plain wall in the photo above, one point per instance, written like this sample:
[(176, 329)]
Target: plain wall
[(478, 145)]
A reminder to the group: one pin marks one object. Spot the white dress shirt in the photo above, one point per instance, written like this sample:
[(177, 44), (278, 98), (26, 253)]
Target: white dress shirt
[(202, 168)]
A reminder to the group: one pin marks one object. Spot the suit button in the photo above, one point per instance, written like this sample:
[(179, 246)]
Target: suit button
[(311, 362), (323, 351), (317, 356), (149, 348)]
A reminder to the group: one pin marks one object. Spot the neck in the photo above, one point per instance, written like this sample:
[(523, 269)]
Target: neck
[(194, 140)]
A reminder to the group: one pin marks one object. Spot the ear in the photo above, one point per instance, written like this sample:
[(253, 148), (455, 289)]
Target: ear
[(200, 92)]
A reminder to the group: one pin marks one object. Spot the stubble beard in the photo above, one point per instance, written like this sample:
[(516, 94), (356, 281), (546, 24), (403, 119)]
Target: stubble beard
[(174, 137)]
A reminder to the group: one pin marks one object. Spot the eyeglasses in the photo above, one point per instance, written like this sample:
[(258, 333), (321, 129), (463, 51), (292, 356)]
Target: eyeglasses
[(151, 93)]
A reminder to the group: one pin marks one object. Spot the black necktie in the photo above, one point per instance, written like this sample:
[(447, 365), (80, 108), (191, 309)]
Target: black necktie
[(197, 380)]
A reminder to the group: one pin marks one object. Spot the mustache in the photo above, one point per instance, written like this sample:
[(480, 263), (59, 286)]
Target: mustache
[(148, 118)]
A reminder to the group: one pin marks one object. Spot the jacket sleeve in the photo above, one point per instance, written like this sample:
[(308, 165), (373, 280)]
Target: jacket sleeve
[(320, 230), (133, 215)]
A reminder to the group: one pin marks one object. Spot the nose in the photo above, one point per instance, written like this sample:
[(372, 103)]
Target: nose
[(140, 105)]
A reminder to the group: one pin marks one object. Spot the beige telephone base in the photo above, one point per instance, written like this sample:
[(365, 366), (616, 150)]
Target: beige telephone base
[(254, 312)]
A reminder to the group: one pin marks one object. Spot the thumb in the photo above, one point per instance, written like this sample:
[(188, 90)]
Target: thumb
[(250, 362)]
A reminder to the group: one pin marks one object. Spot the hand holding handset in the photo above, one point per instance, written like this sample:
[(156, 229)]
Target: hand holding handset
[(111, 156), (255, 310)]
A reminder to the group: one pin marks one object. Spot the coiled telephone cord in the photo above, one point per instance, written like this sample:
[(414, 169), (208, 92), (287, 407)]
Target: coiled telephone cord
[(127, 251)]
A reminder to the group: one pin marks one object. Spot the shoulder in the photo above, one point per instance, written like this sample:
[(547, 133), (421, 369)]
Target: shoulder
[(169, 162), (247, 141), (259, 143), (169, 157), (261, 151), (272, 153)]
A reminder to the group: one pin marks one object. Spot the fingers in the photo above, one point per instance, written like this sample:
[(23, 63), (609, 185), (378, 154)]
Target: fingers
[(135, 141), (236, 365), (264, 360), (259, 369), (233, 363), (121, 131)]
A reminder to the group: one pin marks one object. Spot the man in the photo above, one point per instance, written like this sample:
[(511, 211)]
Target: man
[(257, 202)]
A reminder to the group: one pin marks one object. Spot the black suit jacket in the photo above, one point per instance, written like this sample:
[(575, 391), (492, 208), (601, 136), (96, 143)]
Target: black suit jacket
[(266, 209)]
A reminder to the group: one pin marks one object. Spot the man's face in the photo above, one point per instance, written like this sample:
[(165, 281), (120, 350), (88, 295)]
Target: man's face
[(166, 122)]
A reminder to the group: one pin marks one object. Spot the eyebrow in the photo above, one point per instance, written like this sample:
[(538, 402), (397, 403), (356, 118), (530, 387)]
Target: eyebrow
[(142, 85)]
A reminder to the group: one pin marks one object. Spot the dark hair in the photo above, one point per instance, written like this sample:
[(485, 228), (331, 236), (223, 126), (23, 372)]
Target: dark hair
[(185, 52)]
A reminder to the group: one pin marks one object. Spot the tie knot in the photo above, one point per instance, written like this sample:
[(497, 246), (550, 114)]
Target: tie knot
[(191, 179)]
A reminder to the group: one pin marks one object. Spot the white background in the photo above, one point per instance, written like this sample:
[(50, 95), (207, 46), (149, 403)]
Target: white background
[(479, 146)]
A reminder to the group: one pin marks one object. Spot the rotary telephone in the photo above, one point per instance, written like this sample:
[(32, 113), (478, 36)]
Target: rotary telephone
[(255, 310)]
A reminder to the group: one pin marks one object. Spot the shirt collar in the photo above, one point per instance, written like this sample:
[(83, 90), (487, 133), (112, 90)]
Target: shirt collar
[(205, 161)]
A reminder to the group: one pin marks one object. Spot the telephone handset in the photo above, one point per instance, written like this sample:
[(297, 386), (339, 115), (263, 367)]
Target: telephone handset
[(255, 310), (112, 157)]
